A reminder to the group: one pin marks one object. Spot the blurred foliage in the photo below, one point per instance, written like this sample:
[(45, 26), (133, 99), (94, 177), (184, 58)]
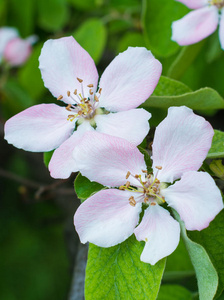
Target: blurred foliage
[(35, 262)]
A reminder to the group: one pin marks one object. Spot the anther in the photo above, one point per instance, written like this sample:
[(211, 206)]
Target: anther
[(132, 201), (100, 90), (157, 180), (68, 93), (149, 176), (90, 85), (127, 184), (159, 167), (75, 92), (128, 174), (146, 200), (136, 176), (121, 188), (153, 203), (68, 107), (96, 98), (91, 92), (80, 80), (144, 171), (60, 97)]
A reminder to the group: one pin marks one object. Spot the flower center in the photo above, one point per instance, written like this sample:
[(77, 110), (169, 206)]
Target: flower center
[(218, 3), (149, 188), (84, 106)]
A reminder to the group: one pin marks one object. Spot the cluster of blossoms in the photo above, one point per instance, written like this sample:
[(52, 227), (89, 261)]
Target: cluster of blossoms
[(97, 132), (200, 23), (13, 49)]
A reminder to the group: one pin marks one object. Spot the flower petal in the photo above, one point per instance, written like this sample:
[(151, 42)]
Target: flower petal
[(195, 26), (106, 218), (129, 79), (160, 232), (62, 163), (6, 35), (196, 198), (221, 29), (107, 159), (39, 128), (194, 4), (17, 51), (61, 62), (181, 143), (131, 125)]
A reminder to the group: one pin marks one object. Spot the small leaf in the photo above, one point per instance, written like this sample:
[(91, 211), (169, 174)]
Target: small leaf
[(212, 239), (185, 58), (157, 19), (147, 158), (174, 292), (84, 188), (47, 157), (217, 148), (203, 99), (117, 273), (206, 274), (91, 35)]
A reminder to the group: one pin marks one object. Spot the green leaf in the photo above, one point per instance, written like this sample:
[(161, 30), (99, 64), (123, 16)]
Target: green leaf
[(92, 35), (212, 239), (117, 273), (21, 15), (29, 75), (185, 58), (157, 19), (206, 274), (131, 39), (217, 148), (84, 188), (52, 14), (174, 292), (86, 4), (14, 98), (147, 158), (47, 157), (173, 93)]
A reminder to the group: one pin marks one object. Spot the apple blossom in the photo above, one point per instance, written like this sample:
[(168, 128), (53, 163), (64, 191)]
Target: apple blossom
[(200, 23), (13, 49), (70, 74), (110, 216)]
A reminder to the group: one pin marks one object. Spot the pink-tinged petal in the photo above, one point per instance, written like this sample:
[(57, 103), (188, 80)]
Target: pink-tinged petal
[(61, 62), (17, 51), (196, 198), (39, 128), (194, 4), (181, 143), (106, 218), (129, 79), (62, 163), (221, 29), (107, 159), (6, 35), (160, 232), (195, 26), (131, 125)]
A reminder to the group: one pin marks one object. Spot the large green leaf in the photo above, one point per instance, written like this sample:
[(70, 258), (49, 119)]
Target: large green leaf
[(174, 292), (157, 19), (131, 39), (206, 274), (117, 273), (84, 188), (52, 14), (21, 15), (217, 148), (29, 75), (170, 92), (91, 35), (185, 58), (212, 239)]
